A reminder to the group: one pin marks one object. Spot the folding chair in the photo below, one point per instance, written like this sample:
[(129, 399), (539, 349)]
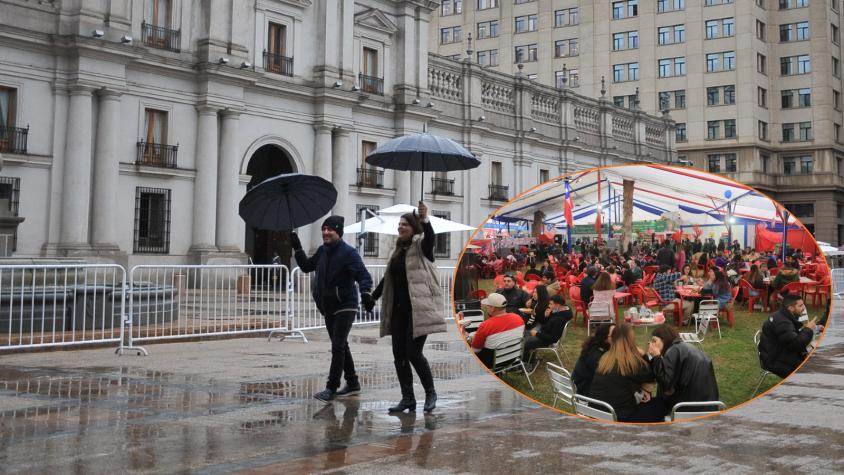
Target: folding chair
[(474, 317), (599, 312), (756, 338), (708, 310), (561, 382), (583, 406), (677, 415), (699, 335), (558, 345), (507, 355)]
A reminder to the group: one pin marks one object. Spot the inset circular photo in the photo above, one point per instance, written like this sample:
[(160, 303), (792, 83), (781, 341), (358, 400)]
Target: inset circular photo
[(642, 293)]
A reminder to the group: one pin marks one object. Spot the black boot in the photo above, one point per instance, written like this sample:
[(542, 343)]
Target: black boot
[(405, 376), (430, 400), (427, 378)]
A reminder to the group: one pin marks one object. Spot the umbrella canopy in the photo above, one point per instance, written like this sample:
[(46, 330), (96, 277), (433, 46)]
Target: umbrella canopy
[(287, 201), (422, 152), (387, 222)]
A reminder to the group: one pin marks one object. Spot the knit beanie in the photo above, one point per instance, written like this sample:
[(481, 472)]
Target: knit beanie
[(335, 223)]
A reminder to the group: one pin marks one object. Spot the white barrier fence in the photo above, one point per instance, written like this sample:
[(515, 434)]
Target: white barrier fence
[(63, 305), (837, 281)]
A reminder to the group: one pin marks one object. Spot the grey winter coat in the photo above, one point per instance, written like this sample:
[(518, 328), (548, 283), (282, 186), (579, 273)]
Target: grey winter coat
[(425, 293)]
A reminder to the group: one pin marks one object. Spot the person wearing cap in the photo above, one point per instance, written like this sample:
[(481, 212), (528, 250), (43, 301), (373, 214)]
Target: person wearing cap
[(516, 298), (337, 266), (411, 308), (493, 328)]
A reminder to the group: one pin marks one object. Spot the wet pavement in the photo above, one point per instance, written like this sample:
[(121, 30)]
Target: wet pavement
[(245, 406)]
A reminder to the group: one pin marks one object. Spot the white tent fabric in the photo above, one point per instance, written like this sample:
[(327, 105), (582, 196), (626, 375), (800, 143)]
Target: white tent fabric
[(387, 222), (698, 197)]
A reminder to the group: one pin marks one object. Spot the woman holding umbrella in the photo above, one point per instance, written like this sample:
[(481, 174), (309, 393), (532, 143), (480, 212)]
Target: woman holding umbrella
[(409, 310)]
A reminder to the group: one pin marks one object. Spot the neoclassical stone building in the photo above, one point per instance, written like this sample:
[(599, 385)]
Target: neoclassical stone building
[(132, 128)]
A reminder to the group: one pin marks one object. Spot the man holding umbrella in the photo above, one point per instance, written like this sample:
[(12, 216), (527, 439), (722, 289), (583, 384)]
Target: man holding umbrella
[(336, 266)]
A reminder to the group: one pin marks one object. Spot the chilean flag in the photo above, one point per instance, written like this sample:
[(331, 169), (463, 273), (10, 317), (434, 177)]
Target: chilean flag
[(569, 207)]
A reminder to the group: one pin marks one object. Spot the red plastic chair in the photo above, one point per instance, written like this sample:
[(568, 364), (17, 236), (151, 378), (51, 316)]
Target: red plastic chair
[(579, 306), (652, 298), (637, 291), (762, 296), (498, 282), (728, 311), (477, 294), (530, 285), (818, 291), (533, 277), (774, 271)]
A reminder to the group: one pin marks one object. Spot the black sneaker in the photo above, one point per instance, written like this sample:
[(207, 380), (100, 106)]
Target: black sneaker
[(326, 395), (348, 390)]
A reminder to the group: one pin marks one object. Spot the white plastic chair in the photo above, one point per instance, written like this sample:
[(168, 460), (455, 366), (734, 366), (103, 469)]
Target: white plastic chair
[(507, 355), (582, 407), (677, 415), (599, 312), (765, 372), (561, 382), (555, 348), (699, 335), (708, 309), (474, 317)]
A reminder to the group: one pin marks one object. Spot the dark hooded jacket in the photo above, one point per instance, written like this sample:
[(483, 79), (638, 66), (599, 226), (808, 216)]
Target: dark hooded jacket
[(782, 345), (337, 268), (688, 371)]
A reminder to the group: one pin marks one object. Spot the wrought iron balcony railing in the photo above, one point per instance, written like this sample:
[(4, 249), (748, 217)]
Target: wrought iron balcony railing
[(371, 84), (157, 155), (13, 139), (370, 178), (442, 186), (276, 63), (499, 192), (160, 37)]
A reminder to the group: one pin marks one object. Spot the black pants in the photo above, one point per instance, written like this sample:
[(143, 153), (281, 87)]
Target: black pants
[(407, 352), (531, 344), (654, 410), (338, 327)]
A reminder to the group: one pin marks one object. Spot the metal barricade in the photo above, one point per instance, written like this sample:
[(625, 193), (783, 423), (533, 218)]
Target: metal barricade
[(61, 305), (180, 301), (837, 281)]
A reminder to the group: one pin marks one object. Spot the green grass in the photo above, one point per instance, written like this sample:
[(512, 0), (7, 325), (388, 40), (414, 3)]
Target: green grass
[(733, 356)]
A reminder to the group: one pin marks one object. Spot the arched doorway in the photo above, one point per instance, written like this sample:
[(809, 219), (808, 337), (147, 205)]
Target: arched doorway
[(263, 246)]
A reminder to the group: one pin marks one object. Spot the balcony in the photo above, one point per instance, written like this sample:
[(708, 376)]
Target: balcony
[(442, 186), (13, 139), (160, 37), (370, 178), (371, 84), (156, 155), (278, 64), (499, 192)]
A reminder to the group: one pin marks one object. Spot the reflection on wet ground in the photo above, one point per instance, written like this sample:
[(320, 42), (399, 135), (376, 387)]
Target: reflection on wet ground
[(229, 406)]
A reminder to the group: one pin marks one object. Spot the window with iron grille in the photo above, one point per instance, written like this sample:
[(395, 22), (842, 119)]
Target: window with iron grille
[(152, 220), (442, 245), (370, 240), (10, 191)]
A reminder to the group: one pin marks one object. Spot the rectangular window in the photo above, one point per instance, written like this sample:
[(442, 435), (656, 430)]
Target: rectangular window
[(370, 62), (763, 130), (680, 99), (663, 6), (804, 97), (713, 62), (679, 34), (761, 30), (452, 7), (495, 174), (370, 240), (711, 27), (633, 72), (805, 131), (786, 33), (836, 99), (632, 39), (789, 166), (802, 29), (485, 4), (564, 48), (788, 132), (663, 35), (801, 210), (729, 60), (713, 130), (574, 77), (836, 67), (451, 35), (544, 175), (276, 40), (806, 165), (488, 57), (8, 107), (713, 163), (618, 41), (730, 162), (10, 188), (565, 17), (730, 129), (761, 63), (712, 96), (618, 101), (762, 97), (159, 13), (625, 9), (728, 27), (837, 132), (729, 94), (765, 160), (664, 101), (836, 35), (532, 53), (680, 132), (625, 72), (442, 244), (155, 133), (152, 220), (804, 64)]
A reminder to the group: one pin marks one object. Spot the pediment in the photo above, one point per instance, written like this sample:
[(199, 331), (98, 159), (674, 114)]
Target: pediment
[(376, 20)]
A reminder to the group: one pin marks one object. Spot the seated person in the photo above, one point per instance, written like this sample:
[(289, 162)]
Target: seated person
[(586, 284), (621, 373), (786, 275), (782, 345), (664, 285), (557, 315), (500, 325), (536, 306), (590, 352), (516, 297), (603, 290), (722, 291), (551, 283), (532, 270), (684, 372)]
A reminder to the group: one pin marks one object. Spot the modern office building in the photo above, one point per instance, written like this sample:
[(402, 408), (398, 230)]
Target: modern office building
[(754, 85), (130, 130)]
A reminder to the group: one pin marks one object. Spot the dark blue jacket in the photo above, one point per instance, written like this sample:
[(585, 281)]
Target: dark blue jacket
[(337, 268)]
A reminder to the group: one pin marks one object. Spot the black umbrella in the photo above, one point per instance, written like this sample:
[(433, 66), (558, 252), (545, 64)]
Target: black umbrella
[(287, 201), (422, 152)]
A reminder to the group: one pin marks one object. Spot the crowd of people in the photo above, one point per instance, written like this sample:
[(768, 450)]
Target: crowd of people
[(643, 385)]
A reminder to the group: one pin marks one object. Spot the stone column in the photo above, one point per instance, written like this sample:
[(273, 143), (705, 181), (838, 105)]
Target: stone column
[(106, 170), (323, 168), (205, 183), (228, 185), (340, 171), (402, 184), (76, 181)]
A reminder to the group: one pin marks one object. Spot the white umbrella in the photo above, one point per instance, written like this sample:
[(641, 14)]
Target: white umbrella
[(828, 250), (387, 222)]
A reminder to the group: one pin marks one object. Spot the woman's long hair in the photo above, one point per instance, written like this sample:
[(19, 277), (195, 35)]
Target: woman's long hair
[(598, 340), (603, 282), (721, 285), (542, 302), (415, 224), (622, 354), (755, 277), (667, 334)]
